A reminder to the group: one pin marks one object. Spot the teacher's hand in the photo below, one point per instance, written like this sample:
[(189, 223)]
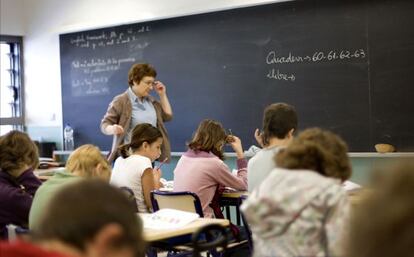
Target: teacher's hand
[(116, 129), (160, 88)]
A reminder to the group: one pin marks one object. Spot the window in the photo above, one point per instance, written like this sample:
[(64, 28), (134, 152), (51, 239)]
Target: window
[(11, 84)]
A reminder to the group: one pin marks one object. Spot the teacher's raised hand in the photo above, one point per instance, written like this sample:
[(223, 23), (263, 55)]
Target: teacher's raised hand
[(160, 88)]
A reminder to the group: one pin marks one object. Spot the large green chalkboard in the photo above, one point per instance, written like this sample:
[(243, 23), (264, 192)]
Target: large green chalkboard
[(346, 65)]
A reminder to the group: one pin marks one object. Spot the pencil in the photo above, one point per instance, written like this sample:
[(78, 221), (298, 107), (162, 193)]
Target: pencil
[(162, 163)]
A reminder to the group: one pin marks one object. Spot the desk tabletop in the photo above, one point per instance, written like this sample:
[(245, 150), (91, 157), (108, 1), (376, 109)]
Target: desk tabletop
[(45, 174), (357, 197), (48, 172), (234, 194), (160, 234), (228, 194)]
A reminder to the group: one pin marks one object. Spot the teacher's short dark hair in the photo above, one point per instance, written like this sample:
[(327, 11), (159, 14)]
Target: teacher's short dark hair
[(140, 70)]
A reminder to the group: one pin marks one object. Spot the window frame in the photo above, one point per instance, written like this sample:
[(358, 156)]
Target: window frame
[(16, 122)]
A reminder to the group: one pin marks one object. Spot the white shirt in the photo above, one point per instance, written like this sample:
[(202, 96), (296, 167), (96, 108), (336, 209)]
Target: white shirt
[(260, 165), (128, 173)]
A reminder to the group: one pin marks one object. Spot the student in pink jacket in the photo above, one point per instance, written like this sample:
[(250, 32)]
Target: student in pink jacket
[(201, 169)]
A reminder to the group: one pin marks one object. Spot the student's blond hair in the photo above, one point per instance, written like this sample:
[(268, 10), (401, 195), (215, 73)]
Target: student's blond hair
[(85, 160)]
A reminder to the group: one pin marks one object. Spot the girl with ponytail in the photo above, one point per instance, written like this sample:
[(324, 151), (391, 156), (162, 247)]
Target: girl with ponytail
[(133, 169)]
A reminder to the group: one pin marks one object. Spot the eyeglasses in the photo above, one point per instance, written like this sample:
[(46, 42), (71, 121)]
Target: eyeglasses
[(149, 83)]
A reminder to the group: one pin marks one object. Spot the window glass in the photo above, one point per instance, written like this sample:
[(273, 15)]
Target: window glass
[(6, 92), (11, 87)]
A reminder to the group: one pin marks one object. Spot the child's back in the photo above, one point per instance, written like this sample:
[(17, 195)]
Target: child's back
[(127, 172), (301, 208), (288, 213)]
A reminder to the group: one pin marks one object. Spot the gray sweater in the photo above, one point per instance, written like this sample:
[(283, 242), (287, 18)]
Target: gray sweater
[(120, 112)]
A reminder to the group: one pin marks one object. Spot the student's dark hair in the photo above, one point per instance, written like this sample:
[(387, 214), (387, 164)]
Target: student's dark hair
[(140, 70), (78, 211), (143, 132), (318, 150), (17, 150), (210, 136), (278, 120), (382, 223)]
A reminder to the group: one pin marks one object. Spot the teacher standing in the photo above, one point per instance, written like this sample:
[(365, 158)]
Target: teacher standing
[(136, 106)]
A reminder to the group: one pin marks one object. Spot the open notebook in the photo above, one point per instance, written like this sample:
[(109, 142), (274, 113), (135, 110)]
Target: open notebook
[(48, 172), (350, 186), (167, 219)]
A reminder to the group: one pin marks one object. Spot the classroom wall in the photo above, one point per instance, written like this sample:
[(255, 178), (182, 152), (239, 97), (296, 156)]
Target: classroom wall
[(12, 20), (41, 22)]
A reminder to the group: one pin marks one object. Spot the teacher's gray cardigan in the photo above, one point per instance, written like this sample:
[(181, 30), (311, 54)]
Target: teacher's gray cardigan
[(120, 112)]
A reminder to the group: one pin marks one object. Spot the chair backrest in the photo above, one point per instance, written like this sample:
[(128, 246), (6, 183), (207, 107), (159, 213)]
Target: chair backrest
[(183, 201), (247, 227), (131, 197), (211, 237), (14, 232)]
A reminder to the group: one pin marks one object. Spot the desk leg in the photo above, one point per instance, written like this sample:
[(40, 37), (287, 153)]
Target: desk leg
[(151, 252), (228, 212), (238, 216)]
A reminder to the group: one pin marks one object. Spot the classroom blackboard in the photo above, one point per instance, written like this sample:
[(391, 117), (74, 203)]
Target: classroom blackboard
[(347, 66)]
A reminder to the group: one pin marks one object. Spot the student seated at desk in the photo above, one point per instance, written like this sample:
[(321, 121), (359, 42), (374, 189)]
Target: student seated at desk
[(201, 169), (87, 218), (301, 209), (85, 162), (133, 169), (280, 121), (18, 184)]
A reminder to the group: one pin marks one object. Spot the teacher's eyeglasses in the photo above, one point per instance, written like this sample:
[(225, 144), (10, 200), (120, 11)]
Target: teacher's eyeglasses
[(149, 83)]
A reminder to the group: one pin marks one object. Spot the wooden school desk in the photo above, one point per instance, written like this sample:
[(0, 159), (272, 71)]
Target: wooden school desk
[(151, 235), (227, 199), (45, 174), (233, 198)]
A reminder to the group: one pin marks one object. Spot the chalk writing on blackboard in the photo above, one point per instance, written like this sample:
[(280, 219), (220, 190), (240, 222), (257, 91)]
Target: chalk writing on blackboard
[(318, 56), (90, 86), (103, 39), (97, 65), (278, 75), (272, 58), (91, 76)]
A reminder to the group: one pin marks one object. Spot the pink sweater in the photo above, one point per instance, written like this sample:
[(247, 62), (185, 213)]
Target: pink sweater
[(201, 173)]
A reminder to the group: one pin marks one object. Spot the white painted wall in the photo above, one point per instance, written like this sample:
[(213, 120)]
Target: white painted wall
[(41, 21), (12, 20)]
